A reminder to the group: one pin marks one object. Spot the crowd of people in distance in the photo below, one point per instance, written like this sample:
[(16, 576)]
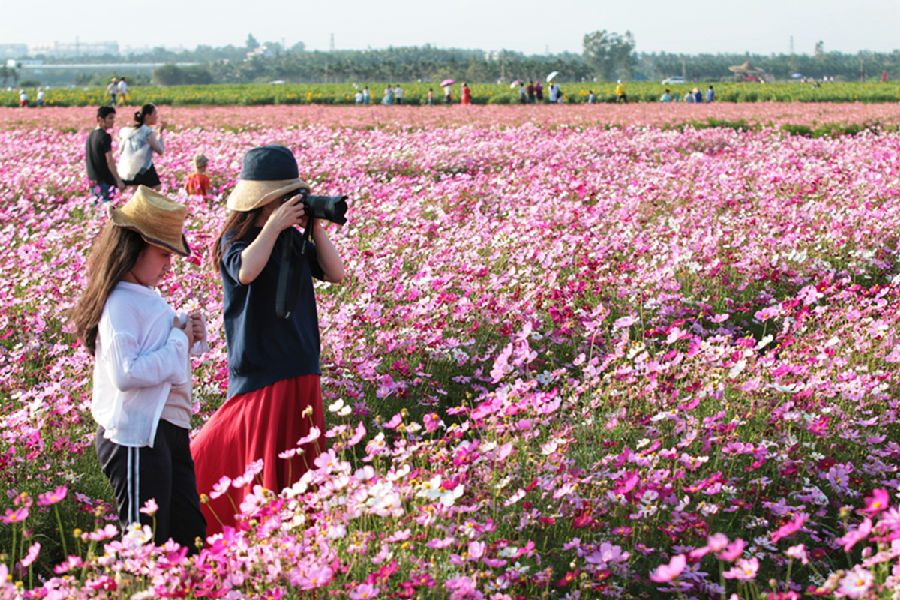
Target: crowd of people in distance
[(695, 96), (529, 92)]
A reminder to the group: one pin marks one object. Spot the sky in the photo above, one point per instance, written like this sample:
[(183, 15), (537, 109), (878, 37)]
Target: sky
[(528, 26)]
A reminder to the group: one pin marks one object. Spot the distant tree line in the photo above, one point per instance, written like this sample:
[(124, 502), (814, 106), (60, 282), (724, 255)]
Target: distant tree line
[(605, 56)]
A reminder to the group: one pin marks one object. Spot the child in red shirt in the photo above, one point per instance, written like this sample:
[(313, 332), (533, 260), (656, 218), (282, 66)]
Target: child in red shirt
[(198, 183)]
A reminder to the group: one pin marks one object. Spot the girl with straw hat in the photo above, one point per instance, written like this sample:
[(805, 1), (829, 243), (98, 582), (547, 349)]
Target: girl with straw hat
[(142, 380), (274, 398)]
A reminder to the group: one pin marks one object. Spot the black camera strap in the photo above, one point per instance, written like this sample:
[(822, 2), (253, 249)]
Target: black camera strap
[(288, 288)]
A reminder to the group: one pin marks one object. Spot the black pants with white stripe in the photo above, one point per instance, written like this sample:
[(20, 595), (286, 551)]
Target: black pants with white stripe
[(165, 473)]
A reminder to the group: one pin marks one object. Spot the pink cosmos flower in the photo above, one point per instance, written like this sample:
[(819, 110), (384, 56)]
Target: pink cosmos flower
[(501, 364), (107, 532), (788, 528), (14, 516), (717, 542), (877, 502), (150, 507), (665, 573), (438, 543), (856, 583), (252, 470), (31, 555), (476, 550), (308, 579), (53, 497), (767, 313), (395, 421), (363, 591), (314, 434), (358, 434), (220, 487), (732, 551), (798, 552), (623, 322), (461, 588), (431, 421), (850, 538), (744, 570)]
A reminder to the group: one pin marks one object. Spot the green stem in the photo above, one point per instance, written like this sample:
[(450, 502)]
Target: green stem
[(62, 535), (12, 558)]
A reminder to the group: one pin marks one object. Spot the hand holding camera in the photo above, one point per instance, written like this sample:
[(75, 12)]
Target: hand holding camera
[(292, 212)]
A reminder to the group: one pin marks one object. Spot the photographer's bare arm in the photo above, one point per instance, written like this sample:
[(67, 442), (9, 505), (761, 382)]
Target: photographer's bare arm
[(329, 259), (274, 219)]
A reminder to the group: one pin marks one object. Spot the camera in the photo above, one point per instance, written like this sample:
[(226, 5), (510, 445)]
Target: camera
[(330, 208)]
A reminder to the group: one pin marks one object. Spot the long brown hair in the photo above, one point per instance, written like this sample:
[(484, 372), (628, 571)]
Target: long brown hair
[(114, 254), (237, 226)]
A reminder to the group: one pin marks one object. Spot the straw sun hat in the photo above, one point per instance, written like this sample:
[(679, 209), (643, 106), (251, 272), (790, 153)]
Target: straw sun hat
[(156, 218), (267, 173)]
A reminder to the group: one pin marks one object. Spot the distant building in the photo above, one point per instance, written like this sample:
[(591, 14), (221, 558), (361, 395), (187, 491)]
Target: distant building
[(150, 49), (70, 49), (13, 50), (261, 52)]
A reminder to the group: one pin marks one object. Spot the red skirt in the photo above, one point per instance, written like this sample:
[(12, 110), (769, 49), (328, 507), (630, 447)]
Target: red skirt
[(257, 425)]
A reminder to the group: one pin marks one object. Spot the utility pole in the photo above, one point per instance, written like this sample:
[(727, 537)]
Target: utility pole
[(862, 71), (792, 45), (683, 69), (331, 44)]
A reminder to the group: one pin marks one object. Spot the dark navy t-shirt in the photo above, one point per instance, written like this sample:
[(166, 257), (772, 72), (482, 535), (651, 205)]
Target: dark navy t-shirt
[(98, 143), (263, 348)]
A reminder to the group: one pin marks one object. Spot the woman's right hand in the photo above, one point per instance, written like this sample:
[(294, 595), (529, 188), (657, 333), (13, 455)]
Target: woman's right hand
[(289, 214)]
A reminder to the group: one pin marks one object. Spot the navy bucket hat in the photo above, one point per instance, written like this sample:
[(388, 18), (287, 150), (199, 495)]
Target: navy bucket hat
[(267, 173)]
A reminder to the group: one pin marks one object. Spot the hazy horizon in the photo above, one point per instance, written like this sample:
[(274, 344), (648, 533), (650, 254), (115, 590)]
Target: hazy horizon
[(701, 27)]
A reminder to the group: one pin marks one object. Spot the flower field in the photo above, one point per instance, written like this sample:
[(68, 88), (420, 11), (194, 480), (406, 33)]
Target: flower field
[(577, 355)]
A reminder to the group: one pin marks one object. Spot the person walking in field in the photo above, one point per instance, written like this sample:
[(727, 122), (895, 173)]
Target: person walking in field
[(523, 96), (123, 91), (141, 398), (111, 91), (448, 95), (398, 94), (388, 97), (367, 95), (23, 98), (538, 91), (137, 144), (274, 396), (710, 94), (529, 90), (101, 168), (619, 92), (466, 94)]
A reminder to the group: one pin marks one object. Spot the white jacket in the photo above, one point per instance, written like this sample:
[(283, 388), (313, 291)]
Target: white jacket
[(135, 152), (140, 356)]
